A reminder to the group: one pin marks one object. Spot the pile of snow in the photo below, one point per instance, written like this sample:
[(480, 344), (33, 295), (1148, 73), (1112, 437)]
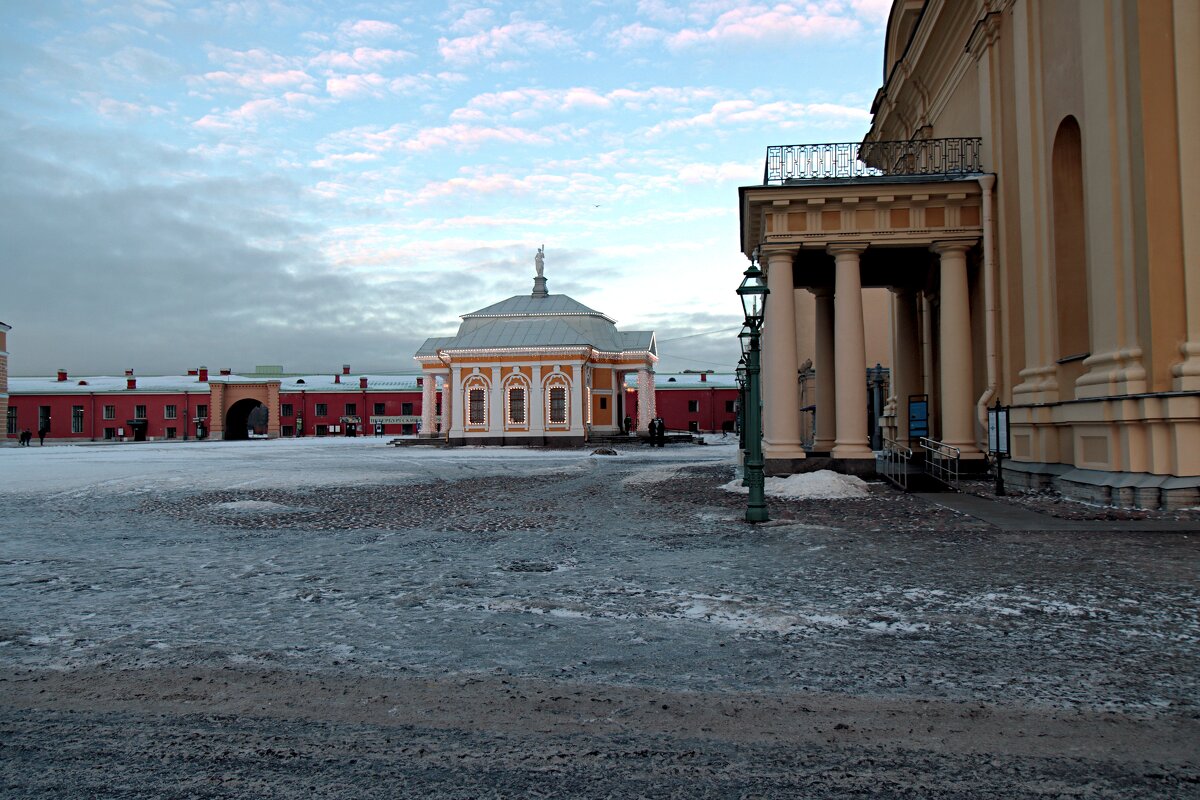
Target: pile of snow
[(820, 485)]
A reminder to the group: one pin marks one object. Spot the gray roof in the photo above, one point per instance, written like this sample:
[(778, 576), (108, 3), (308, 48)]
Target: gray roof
[(531, 321), (529, 305)]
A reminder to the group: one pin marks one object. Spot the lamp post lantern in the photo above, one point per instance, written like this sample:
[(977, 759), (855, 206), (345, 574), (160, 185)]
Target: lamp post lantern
[(741, 409), (753, 293)]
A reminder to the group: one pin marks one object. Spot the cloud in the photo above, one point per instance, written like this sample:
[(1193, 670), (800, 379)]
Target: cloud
[(292, 105), (121, 110), (782, 113), (359, 59), (526, 102), (368, 30), (474, 19), (505, 41)]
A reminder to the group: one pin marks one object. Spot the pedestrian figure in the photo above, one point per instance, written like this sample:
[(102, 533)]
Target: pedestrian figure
[(660, 432), (628, 422), (23, 441), (42, 436)]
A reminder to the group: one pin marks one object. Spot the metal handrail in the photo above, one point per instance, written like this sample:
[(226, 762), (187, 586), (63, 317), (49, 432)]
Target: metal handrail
[(942, 461), (896, 458), (847, 160)]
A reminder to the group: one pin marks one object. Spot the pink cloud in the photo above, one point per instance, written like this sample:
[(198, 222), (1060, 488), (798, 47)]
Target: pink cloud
[(514, 39), (351, 86), (782, 23), (782, 113), (368, 29), (358, 59)]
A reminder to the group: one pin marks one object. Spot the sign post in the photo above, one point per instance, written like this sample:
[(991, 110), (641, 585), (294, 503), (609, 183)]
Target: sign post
[(998, 441)]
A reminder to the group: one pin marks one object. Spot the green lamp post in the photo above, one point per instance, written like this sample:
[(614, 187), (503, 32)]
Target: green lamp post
[(753, 293)]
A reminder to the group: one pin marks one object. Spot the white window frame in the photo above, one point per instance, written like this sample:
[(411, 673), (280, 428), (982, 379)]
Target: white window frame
[(170, 411), (516, 381), (558, 381), (475, 383)]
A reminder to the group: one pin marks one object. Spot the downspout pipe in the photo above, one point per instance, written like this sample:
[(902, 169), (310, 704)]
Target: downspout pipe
[(988, 182)]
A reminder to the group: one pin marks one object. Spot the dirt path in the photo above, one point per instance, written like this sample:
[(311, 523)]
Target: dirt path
[(227, 732)]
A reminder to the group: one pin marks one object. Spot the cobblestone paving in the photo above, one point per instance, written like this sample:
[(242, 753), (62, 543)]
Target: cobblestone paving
[(628, 573)]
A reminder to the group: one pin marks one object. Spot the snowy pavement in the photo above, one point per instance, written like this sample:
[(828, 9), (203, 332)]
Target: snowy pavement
[(348, 558)]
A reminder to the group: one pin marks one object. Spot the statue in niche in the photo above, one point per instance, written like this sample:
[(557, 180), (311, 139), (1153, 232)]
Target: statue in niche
[(539, 261)]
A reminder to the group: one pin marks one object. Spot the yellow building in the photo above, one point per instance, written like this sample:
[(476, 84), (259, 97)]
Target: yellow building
[(1027, 195), (536, 369)]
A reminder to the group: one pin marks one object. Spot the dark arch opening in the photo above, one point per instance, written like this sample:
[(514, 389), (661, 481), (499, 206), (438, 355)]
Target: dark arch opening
[(237, 417), (1070, 255)]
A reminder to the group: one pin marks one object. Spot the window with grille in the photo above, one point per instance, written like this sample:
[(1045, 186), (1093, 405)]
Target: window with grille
[(322, 410), (406, 409), (76, 419), (139, 412), (172, 433), (285, 410), (693, 406), (516, 405), (202, 412), (12, 419), (351, 409), (170, 412), (558, 404), (379, 409), (729, 407), (476, 406), (110, 412)]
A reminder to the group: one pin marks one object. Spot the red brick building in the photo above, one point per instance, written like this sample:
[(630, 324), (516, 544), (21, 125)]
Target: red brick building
[(222, 405)]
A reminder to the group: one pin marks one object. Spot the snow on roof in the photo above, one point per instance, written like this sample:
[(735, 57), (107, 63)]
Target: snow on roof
[(190, 383), (686, 380)]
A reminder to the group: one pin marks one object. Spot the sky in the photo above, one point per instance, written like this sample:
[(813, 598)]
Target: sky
[(313, 183)]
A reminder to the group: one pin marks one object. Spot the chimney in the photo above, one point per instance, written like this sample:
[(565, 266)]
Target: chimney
[(345, 369), (128, 373), (130, 381), (420, 381), (337, 378), (203, 377), (193, 373), (704, 377), (62, 375), (362, 383), (227, 371)]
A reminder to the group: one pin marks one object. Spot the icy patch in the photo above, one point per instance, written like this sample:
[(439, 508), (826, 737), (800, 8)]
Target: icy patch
[(252, 507), (821, 485)]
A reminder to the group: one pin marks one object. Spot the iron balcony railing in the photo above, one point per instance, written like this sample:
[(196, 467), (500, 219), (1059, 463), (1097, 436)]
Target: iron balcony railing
[(848, 160)]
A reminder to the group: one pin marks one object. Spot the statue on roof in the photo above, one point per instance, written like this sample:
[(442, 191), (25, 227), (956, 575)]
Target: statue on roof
[(539, 260)]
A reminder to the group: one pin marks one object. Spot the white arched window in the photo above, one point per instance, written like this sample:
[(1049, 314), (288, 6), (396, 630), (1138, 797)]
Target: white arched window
[(516, 401), (558, 402), (475, 403)]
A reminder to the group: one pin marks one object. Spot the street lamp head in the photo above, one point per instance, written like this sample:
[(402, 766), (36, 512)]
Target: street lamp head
[(740, 372), (744, 340), (753, 293)]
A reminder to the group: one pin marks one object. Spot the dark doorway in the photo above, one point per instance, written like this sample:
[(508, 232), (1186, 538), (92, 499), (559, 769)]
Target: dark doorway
[(237, 419), (138, 428)]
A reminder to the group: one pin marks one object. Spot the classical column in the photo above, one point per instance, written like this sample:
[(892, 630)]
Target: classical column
[(954, 343), (450, 393), (428, 404), (497, 419), (824, 362), (906, 356), (850, 355), (578, 398), (781, 395), (645, 384), (535, 404)]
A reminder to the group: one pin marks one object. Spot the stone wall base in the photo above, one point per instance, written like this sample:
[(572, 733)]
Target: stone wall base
[(517, 441), (1122, 489)]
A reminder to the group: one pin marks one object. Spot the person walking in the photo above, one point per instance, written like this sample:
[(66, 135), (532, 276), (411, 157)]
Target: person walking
[(23, 440), (42, 436)]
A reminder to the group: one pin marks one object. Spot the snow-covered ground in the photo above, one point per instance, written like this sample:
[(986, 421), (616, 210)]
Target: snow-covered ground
[(350, 554)]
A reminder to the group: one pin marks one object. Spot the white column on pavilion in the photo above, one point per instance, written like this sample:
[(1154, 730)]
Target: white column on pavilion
[(823, 360), (428, 404), (535, 404), (850, 354), (954, 343), (496, 415), (578, 398), (646, 404), (781, 393), (906, 356), (449, 407)]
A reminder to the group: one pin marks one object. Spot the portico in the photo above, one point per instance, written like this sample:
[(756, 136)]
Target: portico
[(920, 237)]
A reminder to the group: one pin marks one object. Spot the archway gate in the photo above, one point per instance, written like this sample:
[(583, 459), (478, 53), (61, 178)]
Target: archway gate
[(226, 393)]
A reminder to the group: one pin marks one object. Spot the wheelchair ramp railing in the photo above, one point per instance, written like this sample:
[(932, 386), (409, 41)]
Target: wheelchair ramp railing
[(942, 462), (896, 459)]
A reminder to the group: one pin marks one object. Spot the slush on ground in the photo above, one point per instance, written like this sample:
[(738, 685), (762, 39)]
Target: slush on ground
[(340, 618)]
